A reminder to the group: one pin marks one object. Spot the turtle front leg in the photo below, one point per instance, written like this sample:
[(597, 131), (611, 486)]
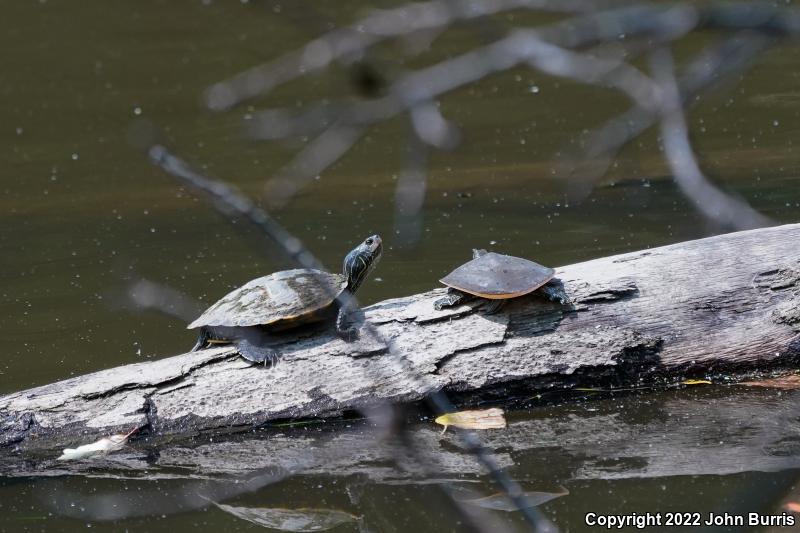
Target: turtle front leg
[(493, 306), (451, 299), (347, 323), (349, 319), (554, 291)]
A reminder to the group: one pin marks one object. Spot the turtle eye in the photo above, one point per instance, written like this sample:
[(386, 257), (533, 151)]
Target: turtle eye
[(369, 241)]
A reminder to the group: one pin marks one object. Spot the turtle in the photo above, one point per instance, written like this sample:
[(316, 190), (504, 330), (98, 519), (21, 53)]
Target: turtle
[(498, 278), (286, 299)]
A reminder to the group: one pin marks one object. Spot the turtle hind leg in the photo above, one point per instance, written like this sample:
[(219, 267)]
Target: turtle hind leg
[(451, 299), (554, 291), (202, 340), (257, 353)]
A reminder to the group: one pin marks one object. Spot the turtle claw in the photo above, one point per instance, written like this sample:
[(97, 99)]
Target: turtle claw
[(271, 360), (451, 299), (441, 303), (256, 353), (348, 334)]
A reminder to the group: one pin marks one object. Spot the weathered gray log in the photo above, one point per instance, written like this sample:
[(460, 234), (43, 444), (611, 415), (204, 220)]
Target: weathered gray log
[(725, 303)]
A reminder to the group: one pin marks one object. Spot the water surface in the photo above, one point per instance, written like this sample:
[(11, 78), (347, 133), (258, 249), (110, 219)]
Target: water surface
[(83, 213)]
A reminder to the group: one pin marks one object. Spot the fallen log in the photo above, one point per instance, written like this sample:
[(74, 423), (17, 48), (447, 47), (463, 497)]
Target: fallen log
[(721, 304)]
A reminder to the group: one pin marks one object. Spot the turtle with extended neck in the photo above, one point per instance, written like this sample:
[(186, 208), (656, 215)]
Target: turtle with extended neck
[(287, 299)]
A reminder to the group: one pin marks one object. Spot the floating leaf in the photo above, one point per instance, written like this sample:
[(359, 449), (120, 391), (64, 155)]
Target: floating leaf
[(102, 446), (478, 419), (501, 502), (792, 381), (291, 519), (696, 382)]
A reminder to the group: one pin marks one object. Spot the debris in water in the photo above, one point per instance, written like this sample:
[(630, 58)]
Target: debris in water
[(478, 419), (790, 382), (792, 507), (696, 382), (501, 501), (291, 519)]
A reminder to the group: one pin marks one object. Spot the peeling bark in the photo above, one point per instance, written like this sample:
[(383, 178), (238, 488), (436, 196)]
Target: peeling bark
[(724, 303)]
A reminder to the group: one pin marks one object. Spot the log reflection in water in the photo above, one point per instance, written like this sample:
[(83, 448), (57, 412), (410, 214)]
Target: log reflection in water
[(690, 432)]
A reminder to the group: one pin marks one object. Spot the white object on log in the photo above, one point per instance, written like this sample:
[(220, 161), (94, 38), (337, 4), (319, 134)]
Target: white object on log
[(100, 447)]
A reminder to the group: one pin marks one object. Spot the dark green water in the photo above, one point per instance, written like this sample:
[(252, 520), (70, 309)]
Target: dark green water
[(82, 213)]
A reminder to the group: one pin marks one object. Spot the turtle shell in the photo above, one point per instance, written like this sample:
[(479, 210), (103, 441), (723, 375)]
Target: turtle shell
[(497, 276), (285, 296)]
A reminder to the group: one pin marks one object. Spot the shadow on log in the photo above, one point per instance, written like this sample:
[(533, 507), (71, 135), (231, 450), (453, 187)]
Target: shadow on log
[(723, 304)]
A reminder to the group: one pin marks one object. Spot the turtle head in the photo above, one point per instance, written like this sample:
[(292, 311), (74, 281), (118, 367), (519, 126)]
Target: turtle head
[(361, 260)]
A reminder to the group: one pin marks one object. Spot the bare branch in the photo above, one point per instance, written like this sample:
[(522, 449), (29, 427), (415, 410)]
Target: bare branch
[(432, 128), (550, 49), (351, 41), (614, 73), (233, 203), (712, 66), (414, 91), (709, 200), (146, 294), (311, 161), (409, 195), (274, 124)]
